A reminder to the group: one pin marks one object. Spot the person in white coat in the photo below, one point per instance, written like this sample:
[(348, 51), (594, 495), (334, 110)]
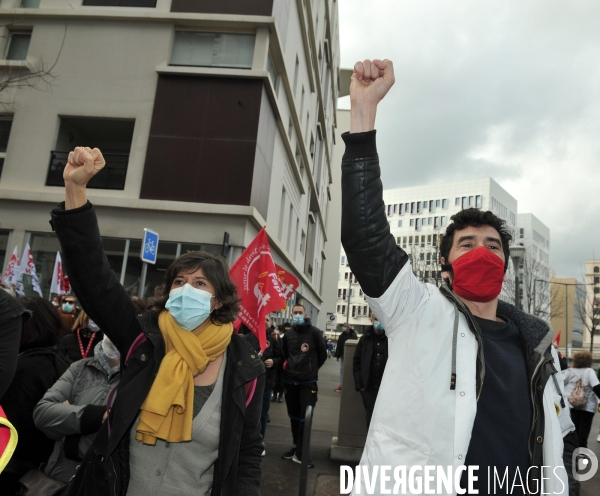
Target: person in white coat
[(471, 381)]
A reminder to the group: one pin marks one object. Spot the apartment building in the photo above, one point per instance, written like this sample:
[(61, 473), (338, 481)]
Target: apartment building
[(215, 116), (592, 304), (418, 217)]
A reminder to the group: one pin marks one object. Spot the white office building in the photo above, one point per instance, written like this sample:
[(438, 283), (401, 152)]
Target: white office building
[(534, 272), (418, 216)]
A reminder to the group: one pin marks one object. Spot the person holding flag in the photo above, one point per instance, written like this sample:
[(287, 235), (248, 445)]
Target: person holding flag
[(190, 396)]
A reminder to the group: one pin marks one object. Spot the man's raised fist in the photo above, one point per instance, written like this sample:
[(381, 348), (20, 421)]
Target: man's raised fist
[(371, 80)]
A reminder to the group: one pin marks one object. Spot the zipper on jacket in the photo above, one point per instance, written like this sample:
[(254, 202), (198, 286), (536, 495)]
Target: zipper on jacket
[(534, 405)]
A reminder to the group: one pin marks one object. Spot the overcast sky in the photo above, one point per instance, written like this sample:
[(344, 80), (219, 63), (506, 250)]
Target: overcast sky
[(485, 88)]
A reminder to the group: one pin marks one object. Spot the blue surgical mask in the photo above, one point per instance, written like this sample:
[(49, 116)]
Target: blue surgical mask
[(92, 326), (67, 307), (297, 320), (189, 306), (377, 326)]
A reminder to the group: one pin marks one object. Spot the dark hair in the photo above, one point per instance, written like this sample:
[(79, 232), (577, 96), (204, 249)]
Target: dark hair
[(582, 360), (298, 305), (45, 325), (140, 305), (215, 270), (473, 217)]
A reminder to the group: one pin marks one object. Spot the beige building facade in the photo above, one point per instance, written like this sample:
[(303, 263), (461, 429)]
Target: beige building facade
[(215, 117)]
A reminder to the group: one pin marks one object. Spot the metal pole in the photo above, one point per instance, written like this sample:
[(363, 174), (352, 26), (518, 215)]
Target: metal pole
[(517, 299), (567, 320), (305, 450), (143, 281), (349, 291)]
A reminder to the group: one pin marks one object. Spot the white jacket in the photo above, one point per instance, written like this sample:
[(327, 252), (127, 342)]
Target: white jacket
[(418, 419)]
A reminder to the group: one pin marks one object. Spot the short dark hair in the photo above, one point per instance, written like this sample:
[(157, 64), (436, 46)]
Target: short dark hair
[(299, 305), (473, 217), (45, 325), (216, 271), (582, 360)]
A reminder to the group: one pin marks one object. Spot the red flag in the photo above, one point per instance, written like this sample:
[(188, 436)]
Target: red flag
[(288, 282), (557, 339), (255, 276)]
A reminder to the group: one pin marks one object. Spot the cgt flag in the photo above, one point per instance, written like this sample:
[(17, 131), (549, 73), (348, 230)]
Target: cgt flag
[(255, 276), (58, 277), (27, 266), (12, 269), (288, 282)]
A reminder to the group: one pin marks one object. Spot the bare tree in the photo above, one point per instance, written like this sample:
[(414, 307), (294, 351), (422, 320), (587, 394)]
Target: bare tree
[(424, 259), (39, 76), (588, 311)]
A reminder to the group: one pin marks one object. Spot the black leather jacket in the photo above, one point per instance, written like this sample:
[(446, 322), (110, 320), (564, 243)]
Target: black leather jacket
[(376, 260)]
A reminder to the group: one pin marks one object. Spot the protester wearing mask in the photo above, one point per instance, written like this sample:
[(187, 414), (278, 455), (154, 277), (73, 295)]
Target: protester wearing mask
[(74, 408), (67, 309), (186, 418), (368, 364), (305, 352), (81, 341), (272, 357), (470, 380), (347, 333), (38, 367)]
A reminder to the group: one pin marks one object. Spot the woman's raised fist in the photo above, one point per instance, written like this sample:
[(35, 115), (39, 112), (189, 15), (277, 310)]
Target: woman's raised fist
[(83, 164)]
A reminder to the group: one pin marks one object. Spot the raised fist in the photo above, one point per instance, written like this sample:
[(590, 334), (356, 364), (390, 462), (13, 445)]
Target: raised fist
[(371, 80), (83, 164)]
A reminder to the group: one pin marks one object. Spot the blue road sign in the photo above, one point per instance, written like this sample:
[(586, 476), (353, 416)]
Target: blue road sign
[(149, 247)]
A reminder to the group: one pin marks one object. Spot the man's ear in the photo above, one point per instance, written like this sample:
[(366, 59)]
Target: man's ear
[(446, 274)]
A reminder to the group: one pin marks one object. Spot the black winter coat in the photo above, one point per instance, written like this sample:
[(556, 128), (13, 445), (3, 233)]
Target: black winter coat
[(361, 363), (305, 351), (345, 336), (37, 371), (68, 347), (273, 351), (105, 468), (13, 317)]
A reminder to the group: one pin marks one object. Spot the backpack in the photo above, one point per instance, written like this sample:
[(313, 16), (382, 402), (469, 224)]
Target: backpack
[(578, 397)]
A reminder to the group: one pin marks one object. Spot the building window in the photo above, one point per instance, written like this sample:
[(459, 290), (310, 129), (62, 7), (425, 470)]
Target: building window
[(30, 4), (444, 220), (431, 206), (353, 310), (596, 280), (521, 233), (471, 201), (192, 48), (339, 307), (412, 222), (400, 208), (430, 221), (359, 311), (444, 203), (457, 202), (464, 202), (413, 207), (343, 309), (5, 125), (596, 269), (346, 276), (395, 208), (272, 72), (478, 201), (418, 207), (120, 3), (417, 224), (18, 45), (343, 261), (113, 136), (399, 223), (339, 292)]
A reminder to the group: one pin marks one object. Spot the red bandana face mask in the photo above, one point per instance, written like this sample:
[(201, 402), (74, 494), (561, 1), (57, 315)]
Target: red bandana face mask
[(478, 275)]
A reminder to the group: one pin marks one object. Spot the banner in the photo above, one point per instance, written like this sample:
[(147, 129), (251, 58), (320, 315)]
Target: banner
[(58, 277), (27, 267), (255, 276), (288, 282), (557, 339), (12, 269)]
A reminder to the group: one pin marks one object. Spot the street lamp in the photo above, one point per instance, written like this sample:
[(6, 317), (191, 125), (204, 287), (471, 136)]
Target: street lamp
[(516, 254)]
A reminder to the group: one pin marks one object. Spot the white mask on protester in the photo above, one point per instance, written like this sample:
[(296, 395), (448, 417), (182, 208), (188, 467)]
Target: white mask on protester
[(109, 349)]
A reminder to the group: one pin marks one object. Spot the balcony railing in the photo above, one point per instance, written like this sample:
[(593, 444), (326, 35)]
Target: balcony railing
[(112, 176)]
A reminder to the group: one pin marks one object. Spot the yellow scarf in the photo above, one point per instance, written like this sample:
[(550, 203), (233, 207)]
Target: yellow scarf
[(167, 411)]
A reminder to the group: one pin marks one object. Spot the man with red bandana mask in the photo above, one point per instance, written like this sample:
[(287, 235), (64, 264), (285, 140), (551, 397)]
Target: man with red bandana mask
[(470, 380)]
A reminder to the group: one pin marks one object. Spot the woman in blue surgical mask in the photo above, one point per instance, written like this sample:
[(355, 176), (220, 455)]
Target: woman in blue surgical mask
[(81, 342), (186, 415)]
